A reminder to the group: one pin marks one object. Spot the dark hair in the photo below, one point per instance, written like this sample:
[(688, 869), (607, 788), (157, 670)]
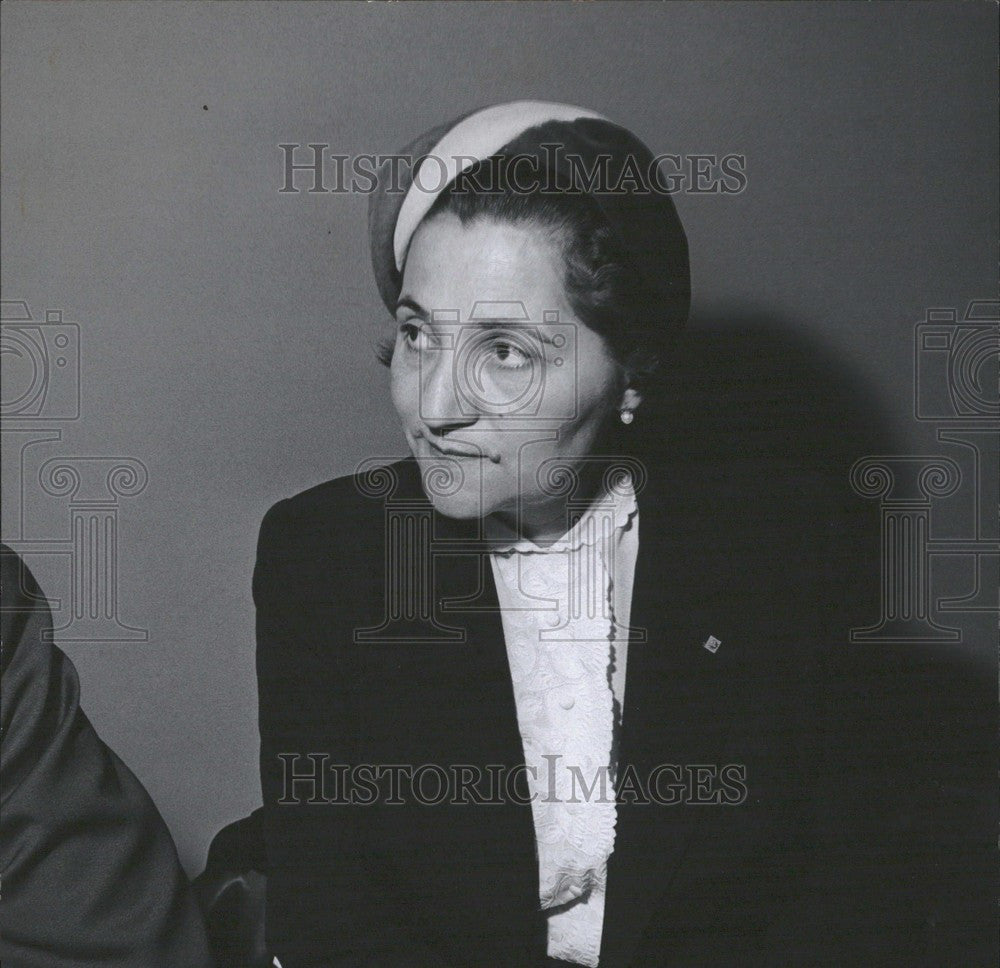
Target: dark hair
[(600, 284)]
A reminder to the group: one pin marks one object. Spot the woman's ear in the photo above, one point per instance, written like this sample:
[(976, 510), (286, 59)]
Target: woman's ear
[(631, 399), (638, 370)]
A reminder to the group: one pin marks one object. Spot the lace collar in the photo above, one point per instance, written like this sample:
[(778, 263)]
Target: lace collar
[(619, 502)]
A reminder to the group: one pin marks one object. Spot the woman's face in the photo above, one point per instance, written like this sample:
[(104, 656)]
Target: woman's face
[(494, 377)]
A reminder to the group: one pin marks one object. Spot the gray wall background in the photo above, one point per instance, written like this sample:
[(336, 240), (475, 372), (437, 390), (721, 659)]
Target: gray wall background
[(226, 329)]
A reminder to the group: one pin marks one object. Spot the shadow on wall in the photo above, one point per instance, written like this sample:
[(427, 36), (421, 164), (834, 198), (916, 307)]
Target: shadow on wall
[(754, 387), (911, 800)]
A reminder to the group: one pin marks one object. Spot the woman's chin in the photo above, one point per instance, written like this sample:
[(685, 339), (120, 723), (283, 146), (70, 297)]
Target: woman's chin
[(454, 487), (465, 504)]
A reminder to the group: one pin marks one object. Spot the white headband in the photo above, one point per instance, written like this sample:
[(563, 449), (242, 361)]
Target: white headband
[(474, 139)]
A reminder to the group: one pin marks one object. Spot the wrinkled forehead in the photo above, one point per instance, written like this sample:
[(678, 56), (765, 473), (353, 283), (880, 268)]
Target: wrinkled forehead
[(485, 268)]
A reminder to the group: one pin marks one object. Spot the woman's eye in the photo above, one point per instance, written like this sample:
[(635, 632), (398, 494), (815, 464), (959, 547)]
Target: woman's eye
[(413, 336), (509, 354)]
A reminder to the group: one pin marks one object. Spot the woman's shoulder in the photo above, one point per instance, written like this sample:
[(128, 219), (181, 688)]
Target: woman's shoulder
[(332, 527), (337, 502)]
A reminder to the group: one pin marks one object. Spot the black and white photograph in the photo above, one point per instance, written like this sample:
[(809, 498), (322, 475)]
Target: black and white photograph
[(499, 484)]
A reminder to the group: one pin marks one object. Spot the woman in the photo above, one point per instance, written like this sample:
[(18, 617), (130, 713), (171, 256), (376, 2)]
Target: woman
[(526, 697)]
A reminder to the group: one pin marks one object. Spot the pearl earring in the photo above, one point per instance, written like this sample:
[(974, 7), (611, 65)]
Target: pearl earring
[(627, 416)]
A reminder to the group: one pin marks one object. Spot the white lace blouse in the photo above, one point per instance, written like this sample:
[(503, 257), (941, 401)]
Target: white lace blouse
[(565, 613)]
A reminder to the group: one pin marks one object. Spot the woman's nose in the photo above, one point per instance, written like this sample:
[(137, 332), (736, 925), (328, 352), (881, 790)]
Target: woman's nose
[(442, 407)]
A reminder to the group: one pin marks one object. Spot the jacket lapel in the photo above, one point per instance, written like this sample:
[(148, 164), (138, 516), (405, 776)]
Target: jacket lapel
[(677, 707), (501, 838), (442, 697)]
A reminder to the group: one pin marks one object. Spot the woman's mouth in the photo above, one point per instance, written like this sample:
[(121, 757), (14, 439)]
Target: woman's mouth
[(460, 449)]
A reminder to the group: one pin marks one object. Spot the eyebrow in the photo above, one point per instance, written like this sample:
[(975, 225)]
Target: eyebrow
[(408, 302)]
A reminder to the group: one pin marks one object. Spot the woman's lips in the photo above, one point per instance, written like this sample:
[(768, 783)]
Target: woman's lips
[(458, 449)]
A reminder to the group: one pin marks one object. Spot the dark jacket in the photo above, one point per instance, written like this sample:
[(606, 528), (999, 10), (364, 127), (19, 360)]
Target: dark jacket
[(753, 555), (824, 862), (90, 872)]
